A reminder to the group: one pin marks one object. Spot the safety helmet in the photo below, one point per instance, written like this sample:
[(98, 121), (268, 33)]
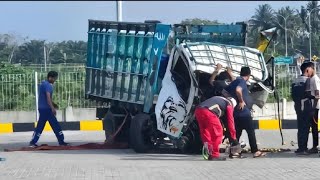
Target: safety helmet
[(233, 101)]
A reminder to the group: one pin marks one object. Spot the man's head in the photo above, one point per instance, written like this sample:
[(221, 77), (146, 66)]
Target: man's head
[(52, 76), (223, 76), (245, 73), (307, 69)]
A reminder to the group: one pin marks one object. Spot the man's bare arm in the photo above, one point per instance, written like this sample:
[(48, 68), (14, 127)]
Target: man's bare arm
[(215, 73), (239, 94), (213, 76), (229, 71), (240, 97)]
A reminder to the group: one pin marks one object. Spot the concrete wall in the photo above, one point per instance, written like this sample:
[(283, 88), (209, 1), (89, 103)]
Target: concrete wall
[(267, 112), (30, 116)]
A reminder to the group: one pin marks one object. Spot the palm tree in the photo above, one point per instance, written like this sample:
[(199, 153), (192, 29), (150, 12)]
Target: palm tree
[(31, 52), (263, 18), (315, 15), (286, 15)]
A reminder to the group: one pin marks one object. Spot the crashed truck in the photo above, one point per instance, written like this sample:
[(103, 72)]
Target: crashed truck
[(147, 78)]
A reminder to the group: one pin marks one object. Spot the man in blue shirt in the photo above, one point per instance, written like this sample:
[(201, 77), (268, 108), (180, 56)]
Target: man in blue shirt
[(242, 115), (47, 111)]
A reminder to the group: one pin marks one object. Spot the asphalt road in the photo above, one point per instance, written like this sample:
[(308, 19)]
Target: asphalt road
[(126, 164)]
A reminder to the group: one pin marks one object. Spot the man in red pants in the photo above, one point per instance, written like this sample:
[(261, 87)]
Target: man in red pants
[(212, 115)]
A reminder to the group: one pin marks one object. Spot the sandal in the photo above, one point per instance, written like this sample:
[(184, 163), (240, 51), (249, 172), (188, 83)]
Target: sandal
[(259, 154)]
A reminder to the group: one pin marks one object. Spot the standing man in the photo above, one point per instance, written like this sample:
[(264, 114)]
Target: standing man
[(313, 87), (47, 111), (212, 115), (301, 103), (243, 120)]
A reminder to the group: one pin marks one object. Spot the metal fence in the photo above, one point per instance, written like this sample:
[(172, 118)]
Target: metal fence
[(64, 67), (285, 75), (17, 91)]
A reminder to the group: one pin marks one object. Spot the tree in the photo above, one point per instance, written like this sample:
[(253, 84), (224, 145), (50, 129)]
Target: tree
[(292, 20), (9, 45), (314, 16), (30, 52), (263, 18)]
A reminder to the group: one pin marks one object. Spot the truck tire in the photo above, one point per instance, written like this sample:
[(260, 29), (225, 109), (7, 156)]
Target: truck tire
[(111, 123), (140, 133), (109, 127)]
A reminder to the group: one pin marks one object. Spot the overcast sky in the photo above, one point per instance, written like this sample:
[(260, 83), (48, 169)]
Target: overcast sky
[(57, 21)]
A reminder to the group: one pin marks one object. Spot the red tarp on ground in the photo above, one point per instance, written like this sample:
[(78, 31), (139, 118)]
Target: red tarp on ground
[(45, 147)]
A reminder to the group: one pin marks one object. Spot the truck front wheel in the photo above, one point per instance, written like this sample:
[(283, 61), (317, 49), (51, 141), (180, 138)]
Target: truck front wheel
[(140, 133)]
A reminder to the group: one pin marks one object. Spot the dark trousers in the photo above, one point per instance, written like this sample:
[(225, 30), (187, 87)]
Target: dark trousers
[(303, 127), (303, 131), (246, 123), (314, 129), (44, 116)]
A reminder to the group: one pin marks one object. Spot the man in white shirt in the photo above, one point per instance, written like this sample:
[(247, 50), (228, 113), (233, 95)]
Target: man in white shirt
[(314, 88)]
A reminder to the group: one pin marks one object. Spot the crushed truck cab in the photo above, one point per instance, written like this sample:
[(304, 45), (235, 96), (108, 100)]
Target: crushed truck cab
[(149, 97), (181, 85)]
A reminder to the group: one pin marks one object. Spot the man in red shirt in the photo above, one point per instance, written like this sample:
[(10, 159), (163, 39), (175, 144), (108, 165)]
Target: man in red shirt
[(212, 115)]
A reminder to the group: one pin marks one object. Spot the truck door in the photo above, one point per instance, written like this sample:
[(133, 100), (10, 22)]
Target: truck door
[(176, 95)]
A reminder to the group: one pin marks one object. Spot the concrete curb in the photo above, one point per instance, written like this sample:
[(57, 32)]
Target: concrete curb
[(93, 125), (97, 125)]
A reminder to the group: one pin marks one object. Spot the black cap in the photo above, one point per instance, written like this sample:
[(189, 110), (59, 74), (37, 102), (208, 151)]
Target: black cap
[(245, 71)]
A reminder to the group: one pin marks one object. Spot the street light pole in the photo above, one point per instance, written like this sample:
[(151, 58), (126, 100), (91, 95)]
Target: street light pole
[(285, 32), (45, 56), (119, 11)]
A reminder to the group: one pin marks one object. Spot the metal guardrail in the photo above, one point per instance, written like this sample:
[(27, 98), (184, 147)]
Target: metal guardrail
[(66, 67), (17, 91), (285, 76)]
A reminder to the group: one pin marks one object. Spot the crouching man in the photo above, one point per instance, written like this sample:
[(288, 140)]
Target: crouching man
[(212, 115)]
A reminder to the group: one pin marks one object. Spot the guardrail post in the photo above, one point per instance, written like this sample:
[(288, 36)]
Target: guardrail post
[(36, 93), (284, 108)]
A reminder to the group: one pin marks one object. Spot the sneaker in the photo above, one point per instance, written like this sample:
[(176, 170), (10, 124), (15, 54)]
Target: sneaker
[(216, 158), (33, 145), (302, 153), (64, 144), (313, 151), (298, 151)]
